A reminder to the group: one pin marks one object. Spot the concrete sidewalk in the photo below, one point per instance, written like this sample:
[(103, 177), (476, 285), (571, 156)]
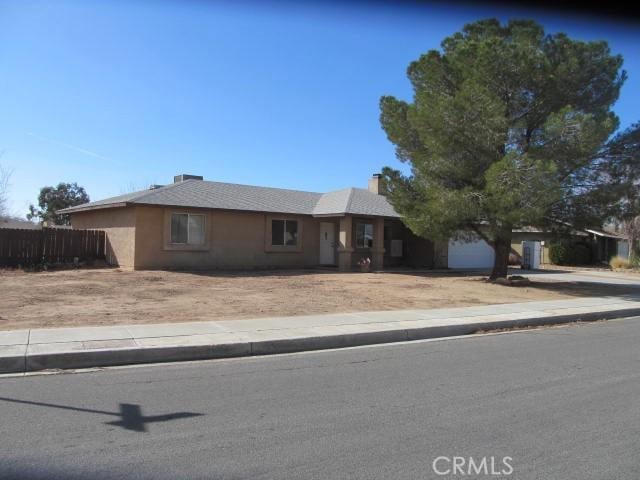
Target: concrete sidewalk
[(65, 348)]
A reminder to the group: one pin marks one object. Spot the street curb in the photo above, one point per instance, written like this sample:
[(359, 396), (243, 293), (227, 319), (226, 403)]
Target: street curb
[(13, 362), (140, 355)]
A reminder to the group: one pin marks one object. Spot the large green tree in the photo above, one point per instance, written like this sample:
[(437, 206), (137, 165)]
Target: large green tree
[(509, 127), (52, 199)]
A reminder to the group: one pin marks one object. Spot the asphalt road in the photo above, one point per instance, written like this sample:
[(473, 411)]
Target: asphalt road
[(563, 403)]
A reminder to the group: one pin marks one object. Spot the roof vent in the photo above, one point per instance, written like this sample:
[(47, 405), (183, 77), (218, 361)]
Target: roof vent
[(155, 187), (182, 177)]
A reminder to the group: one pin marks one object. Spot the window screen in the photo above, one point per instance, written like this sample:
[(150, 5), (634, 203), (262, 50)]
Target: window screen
[(196, 230), (364, 235), (291, 232), (284, 232), (179, 232), (187, 229)]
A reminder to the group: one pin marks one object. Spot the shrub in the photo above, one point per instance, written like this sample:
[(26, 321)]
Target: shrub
[(558, 253), (569, 253), (619, 262)]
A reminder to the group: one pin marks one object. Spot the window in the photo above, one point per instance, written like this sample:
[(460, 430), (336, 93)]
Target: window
[(291, 232), (277, 232), (284, 232), (364, 235), (388, 236), (187, 229), (179, 233)]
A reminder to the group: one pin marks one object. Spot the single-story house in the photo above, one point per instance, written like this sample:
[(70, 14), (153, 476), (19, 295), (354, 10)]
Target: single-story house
[(198, 224)]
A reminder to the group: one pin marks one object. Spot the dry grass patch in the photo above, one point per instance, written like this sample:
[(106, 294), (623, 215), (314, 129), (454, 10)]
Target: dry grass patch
[(109, 297)]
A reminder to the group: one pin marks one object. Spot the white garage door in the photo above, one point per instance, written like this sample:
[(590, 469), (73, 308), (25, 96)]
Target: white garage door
[(623, 248), (474, 254)]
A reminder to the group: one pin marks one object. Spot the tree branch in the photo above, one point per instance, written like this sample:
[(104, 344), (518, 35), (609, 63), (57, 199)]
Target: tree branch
[(480, 233)]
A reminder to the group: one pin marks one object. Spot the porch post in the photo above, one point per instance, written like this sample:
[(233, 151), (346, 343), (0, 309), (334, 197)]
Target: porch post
[(345, 244), (377, 251)]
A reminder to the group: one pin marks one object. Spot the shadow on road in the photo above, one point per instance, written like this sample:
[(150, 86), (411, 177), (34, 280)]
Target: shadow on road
[(130, 415)]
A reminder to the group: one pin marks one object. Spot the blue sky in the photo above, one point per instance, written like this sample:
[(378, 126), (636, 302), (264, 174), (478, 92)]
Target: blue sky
[(119, 95)]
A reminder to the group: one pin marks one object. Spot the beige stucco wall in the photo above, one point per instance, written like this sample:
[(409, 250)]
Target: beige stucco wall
[(518, 237), (233, 240), (119, 225)]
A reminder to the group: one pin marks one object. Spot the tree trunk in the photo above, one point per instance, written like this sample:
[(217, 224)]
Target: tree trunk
[(502, 248), (632, 242)]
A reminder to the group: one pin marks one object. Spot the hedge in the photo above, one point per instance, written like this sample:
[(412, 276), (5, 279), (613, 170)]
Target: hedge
[(570, 253)]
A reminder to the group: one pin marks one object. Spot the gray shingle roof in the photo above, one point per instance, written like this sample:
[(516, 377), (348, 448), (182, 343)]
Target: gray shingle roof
[(356, 201), (230, 196), (363, 202), (332, 202)]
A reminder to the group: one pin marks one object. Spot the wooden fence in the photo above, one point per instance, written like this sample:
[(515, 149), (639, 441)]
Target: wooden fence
[(52, 245)]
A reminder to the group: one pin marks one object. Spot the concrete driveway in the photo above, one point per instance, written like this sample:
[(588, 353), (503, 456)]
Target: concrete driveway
[(582, 276)]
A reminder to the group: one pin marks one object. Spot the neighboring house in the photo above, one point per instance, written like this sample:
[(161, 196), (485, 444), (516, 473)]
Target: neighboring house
[(19, 223), (197, 224), (546, 238), (27, 225), (608, 244), (478, 254), (475, 252)]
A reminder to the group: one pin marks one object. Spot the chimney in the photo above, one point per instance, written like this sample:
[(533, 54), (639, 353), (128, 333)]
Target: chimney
[(375, 184), (182, 177)]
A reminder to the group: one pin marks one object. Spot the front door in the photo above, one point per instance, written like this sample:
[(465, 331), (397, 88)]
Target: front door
[(327, 243)]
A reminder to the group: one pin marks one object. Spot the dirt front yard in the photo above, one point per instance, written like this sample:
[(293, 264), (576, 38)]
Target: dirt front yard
[(110, 296)]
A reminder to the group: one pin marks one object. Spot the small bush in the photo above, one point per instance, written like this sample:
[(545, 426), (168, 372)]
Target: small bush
[(619, 262), (558, 253), (570, 253)]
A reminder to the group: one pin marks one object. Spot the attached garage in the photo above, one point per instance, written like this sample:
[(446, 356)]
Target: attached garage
[(473, 254)]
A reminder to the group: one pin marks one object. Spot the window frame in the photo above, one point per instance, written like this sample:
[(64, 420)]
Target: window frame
[(171, 233), (365, 224), (285, 222), (168, 244), (284, 248)]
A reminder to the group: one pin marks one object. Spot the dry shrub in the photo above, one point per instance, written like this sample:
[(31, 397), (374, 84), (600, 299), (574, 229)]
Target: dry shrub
[(619, 262)]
